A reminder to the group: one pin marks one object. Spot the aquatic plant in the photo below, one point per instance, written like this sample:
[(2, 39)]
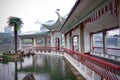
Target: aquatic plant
[(6, 58)]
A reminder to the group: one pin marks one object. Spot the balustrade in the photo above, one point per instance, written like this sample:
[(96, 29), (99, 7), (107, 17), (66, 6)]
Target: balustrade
[(105, 69)]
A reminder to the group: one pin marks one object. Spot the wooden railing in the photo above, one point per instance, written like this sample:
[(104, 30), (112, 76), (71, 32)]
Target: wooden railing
[(49, 49), (105, 69)]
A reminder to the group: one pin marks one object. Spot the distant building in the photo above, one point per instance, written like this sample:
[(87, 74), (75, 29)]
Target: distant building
[(8, 29), (6, 42)]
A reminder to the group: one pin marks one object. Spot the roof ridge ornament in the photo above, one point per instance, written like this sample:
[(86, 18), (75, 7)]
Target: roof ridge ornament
[(57, 25)]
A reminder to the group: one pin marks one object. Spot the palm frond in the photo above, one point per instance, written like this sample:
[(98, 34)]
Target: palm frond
[(14, 21)]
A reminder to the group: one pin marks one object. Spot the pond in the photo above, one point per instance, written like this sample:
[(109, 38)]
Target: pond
[(43, 67)]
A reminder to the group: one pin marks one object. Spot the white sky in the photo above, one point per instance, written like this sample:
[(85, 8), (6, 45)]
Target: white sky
[(32, 10)]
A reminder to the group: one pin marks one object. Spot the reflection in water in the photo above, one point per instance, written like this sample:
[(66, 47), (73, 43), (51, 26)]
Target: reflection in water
[(43, 67), (16, 76), (7, 71)]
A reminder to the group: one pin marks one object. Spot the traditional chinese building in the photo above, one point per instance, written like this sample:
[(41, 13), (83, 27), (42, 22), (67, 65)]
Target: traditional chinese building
[(91, 35)]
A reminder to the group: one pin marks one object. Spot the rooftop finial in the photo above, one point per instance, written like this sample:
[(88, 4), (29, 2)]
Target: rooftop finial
[(57, 11)]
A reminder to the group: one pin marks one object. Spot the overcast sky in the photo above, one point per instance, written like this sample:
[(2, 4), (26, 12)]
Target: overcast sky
[(32, 10)]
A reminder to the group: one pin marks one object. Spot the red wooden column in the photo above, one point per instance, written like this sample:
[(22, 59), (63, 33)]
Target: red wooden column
[(57, 43), (104, 42), (45, 41), (52, 39), (65, 41), (91, 42), (119, 18), (72, 42), (119, 12), (81, 38), (70, 37), (34, 42)]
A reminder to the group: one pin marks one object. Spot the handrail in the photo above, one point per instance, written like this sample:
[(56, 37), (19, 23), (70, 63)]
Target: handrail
[(103, 62), (93, 58), (105, 69)]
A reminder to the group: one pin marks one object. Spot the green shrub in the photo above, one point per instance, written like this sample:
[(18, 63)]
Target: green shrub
[(6, 58)]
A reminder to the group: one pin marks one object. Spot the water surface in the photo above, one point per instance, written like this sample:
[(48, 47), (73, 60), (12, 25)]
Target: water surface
[(43, 67)]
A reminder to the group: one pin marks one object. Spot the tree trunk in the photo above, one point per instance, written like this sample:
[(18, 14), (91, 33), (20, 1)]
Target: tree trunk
[(15, 38)]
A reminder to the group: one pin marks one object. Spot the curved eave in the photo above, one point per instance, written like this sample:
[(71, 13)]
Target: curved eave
[(52, 26), (57, 25), (71, 12)]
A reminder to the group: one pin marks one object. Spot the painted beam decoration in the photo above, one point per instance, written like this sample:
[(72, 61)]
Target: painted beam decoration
[(112, 7)]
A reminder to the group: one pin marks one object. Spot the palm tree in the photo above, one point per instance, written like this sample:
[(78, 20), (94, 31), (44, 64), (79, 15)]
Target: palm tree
[(17, 24)]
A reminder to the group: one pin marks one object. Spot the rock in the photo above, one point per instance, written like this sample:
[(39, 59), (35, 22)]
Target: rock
[(1, 59), (29, 76)]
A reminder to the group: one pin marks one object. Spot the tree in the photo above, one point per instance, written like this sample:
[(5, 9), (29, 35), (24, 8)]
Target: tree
[(17, 24)]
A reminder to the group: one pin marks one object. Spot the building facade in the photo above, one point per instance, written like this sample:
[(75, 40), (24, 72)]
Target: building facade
[(6, 42)]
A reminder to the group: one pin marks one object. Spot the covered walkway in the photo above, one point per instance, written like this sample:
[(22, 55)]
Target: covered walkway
[(89, 39)]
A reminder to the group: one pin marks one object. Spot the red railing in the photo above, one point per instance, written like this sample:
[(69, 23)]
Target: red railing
[(105, 69), (27, 49), (49, 49)]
